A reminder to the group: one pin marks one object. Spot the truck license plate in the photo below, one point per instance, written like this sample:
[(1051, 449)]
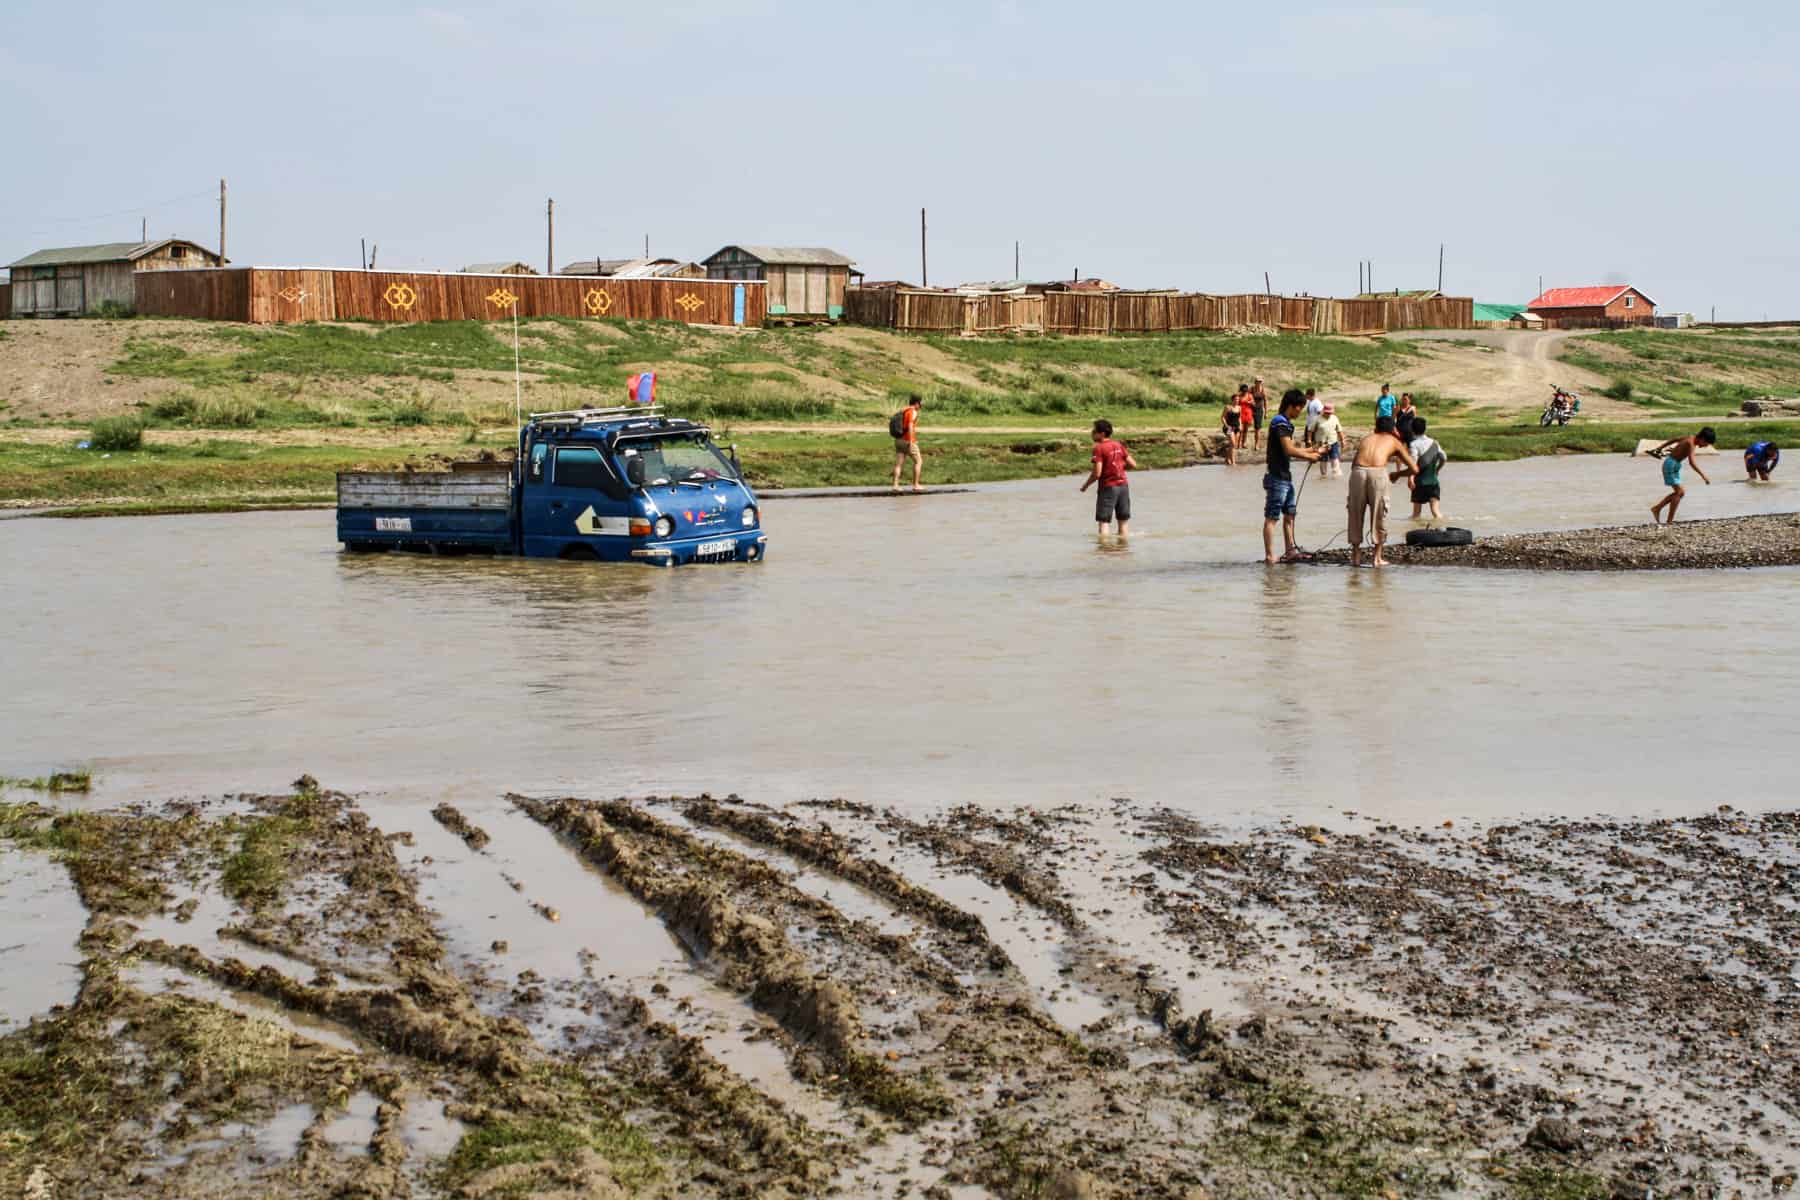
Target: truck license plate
[(708, 549)]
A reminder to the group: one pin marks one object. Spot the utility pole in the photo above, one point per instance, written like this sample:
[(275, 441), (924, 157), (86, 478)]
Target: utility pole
[(221, 222), (1440, 266), (646, 245), (1267, 290), (549, 237), (144, 230), (364, 243), (924, 278), (1015, 262)]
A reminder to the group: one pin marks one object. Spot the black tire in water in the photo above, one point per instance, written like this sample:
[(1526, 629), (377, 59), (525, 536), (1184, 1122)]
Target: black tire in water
[(1439, 537), (366, 547)]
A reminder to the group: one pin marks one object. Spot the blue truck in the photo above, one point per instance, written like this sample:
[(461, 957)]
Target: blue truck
[(609, 484)]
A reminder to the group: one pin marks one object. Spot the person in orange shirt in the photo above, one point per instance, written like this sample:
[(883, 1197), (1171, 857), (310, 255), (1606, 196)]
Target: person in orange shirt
[(906, 445), (1246, 416)]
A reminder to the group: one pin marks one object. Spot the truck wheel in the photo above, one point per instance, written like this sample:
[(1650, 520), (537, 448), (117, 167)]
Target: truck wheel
[(366, 547), (579, 553)]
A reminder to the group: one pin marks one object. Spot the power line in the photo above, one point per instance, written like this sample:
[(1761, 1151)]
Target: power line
[(135, 210)]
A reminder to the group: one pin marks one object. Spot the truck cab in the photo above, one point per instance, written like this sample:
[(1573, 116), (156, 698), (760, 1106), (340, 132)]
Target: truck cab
[(630, 484)]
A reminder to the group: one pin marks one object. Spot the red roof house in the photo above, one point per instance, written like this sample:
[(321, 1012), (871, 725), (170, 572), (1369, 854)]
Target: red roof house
[(1614, 302)]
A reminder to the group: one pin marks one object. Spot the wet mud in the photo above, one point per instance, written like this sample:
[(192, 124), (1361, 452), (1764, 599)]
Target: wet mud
[(1082, 1001)]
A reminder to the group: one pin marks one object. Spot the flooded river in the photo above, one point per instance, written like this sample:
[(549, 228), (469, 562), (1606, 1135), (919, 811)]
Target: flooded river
[(976, 647)]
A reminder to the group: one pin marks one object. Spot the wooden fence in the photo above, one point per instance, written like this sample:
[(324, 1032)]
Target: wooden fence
[(274, 295), (916, 311), (5, 301)]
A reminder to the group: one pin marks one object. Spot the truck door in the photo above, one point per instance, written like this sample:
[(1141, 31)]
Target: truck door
[(571, 500)]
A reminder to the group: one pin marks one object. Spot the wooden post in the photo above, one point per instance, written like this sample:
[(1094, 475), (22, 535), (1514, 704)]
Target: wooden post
[(1267, 290), (550, 237), (143, 230), (1440, 266), (1015, 262), (364, 243), (646, 245), (924, 277), (221, 222)]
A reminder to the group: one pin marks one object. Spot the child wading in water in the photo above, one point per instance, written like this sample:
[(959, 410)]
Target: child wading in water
[(1680, 450), (1111, 459)]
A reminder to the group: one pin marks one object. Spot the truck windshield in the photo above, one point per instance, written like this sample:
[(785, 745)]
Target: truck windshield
[(684, 458)]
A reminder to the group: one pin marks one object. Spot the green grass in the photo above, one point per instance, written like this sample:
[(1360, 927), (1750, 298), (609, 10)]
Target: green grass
[(112, 434), (257, 871), (80, 780), (1302, 359), (510, 1141), (193, 474), (1491, 440), (1700, 371)]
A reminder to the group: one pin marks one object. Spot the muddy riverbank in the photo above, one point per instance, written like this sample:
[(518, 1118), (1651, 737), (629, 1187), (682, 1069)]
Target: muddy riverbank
[(699, 997), (1771, 540)]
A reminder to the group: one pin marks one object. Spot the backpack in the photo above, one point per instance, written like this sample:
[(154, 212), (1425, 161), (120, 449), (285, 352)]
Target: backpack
[(1432, 459), (897, 425)]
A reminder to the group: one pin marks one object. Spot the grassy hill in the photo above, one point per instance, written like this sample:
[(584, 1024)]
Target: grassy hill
[(235, 414)]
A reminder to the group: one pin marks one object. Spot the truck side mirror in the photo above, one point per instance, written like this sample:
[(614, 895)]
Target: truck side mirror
[(634, 470)]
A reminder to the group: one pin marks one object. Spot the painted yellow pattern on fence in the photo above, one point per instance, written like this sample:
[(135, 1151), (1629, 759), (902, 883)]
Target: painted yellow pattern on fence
[(597, 301), (502, 298), (689, 302), (292, 293), (400, 296)]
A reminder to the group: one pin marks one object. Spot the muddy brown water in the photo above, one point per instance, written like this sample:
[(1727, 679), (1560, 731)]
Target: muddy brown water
[(918, 652)]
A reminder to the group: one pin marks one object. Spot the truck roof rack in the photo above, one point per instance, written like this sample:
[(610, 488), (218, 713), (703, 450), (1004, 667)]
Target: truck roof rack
[(593, 416)]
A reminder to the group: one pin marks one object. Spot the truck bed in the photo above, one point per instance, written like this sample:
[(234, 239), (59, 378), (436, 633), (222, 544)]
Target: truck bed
[(468, 507)]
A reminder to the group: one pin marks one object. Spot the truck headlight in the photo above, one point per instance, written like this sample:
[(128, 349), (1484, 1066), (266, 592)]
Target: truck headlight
[(665, 526), (749, 516)]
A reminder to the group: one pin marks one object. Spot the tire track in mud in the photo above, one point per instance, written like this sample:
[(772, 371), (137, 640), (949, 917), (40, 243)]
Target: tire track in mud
[(755, 956)]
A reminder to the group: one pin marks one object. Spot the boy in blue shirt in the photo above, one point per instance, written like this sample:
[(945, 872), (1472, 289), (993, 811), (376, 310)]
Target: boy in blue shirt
[(1760, 459)]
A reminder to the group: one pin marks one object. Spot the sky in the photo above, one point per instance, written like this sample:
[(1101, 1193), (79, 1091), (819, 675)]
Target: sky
[(1184, 145)]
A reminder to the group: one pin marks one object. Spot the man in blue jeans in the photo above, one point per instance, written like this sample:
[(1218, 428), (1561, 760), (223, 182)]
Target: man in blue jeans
[(1280, 503)]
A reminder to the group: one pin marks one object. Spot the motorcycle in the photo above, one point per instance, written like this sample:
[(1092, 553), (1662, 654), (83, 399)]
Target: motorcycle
[(1562, 408)]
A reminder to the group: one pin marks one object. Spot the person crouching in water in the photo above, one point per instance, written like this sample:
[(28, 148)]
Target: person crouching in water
[(1368, 491), (1111, 459), (1280, 502), (1679, 450), (1761, 458)]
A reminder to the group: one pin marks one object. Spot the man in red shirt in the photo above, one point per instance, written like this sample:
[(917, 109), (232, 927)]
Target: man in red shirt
[(906, 445), (1110, 462)]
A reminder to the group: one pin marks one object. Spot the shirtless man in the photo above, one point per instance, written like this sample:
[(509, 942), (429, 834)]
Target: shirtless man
[(1674, 452), (1369, 491)]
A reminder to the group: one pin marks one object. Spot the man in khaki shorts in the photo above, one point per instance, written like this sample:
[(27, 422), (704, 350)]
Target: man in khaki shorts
[(1369, 489), (905, 427)]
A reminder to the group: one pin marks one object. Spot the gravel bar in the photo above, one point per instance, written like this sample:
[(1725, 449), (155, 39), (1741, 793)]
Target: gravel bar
[(1769, 540)]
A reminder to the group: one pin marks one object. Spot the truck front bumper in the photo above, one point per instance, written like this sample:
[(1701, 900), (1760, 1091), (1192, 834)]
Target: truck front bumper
[(744, 547)]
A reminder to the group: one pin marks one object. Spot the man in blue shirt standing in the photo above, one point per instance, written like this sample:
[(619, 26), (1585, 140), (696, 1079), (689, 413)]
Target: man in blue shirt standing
[(1280, 501)]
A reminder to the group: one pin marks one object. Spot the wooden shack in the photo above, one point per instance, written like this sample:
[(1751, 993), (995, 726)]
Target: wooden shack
[(72, 280), (805, 282), (499, 268)]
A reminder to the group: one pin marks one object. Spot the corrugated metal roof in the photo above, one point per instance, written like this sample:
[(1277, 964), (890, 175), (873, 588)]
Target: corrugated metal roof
[(499, 268), (791, 256), (595, 266), (102, 253), (1584, 297)]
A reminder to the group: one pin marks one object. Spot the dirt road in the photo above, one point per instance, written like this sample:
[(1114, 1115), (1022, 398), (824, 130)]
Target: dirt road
[(1504, 368)]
